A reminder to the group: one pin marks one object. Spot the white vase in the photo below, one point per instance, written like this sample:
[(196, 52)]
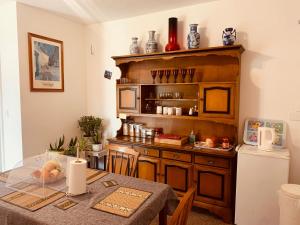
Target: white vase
[(97, 147), (134, 48)]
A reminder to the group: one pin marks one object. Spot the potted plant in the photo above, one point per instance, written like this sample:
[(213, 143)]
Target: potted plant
[(89, 125), (71, 149), (83, 146), (97, 146), (58, 147)]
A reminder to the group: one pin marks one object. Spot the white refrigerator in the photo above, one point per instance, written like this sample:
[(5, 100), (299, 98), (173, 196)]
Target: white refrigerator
[(259, 176)]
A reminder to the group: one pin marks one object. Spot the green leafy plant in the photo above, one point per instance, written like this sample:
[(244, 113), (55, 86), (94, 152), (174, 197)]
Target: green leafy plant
[(89, 125), (58, 147), (83, 144), (97, 139), (71, 150)]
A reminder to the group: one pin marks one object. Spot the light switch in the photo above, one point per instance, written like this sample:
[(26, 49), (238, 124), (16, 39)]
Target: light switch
[(295, 116)]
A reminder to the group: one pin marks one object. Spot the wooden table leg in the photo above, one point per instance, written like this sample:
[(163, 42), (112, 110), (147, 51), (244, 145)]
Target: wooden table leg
[(163, 216)]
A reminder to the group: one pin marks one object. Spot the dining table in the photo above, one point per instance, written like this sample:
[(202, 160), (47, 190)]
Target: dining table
[(162, 201)]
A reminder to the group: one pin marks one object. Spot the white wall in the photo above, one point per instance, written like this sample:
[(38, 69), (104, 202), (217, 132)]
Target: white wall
[(46, 116), (269, 31), (10, 115)]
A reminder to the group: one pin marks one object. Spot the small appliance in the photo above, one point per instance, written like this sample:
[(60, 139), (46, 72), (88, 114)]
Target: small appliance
[(265, 138)]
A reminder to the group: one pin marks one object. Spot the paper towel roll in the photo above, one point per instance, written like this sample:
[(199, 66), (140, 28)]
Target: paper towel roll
[(77, 177)]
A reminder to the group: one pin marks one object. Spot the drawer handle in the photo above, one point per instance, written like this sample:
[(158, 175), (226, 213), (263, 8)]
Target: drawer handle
[(210, 162)]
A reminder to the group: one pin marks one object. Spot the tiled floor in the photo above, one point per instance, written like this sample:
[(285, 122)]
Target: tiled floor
[(199, 217)]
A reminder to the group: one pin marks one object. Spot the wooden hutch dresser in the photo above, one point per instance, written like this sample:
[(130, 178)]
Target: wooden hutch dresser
[(214, 90)]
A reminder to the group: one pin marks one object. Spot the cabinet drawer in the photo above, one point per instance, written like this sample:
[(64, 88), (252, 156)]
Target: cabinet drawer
[(212, 161), (186, 157), (147, 151)]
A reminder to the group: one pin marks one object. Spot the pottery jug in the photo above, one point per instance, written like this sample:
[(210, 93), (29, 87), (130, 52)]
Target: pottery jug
[(134, 48), (229, 36), (151, 45), (193, 38)]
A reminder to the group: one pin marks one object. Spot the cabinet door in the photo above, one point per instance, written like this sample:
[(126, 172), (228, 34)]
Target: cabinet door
[(217, 99), (148, 168), (213, 185), (177, 175), (128, 99)]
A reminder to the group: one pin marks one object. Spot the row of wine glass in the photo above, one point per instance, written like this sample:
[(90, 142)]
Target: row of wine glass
[(175, 73)]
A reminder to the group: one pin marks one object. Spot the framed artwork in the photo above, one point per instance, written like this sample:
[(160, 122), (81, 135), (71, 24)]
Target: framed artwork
[(46, 64)]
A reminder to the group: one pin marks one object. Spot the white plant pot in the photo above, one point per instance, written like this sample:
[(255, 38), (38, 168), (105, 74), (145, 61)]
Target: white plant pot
[(97, 147)]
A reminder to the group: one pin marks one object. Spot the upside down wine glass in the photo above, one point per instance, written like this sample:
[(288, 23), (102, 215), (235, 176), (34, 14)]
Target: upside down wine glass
[(191, 72), (160, 75), (175, 74), (168, 73), (183, 74), (153, 74)]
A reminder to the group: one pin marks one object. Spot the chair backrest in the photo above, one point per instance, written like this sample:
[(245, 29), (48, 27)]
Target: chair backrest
[(182, 211), (122, 160)]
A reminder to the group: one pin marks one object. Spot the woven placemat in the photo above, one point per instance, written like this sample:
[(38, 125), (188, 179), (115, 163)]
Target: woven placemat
[(92, 175), (66, 204), (123, 201), (31, 201)]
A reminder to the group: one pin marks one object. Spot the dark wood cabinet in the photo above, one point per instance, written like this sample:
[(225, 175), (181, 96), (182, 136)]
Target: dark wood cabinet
[(148, 168), (177, 175), (128, 99), (212, 172), (217, 99), (213, 185), (209, 102)]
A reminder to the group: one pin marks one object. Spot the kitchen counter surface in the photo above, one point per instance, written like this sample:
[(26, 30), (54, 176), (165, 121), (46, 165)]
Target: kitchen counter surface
[(149, 143)]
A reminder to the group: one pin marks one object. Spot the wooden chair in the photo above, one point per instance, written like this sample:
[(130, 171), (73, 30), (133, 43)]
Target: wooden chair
[(182, 211), (122, 160)]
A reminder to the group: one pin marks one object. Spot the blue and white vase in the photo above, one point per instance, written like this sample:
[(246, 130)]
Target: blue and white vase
[(193, 38), (134, 48), (151, 45), (229, 36)]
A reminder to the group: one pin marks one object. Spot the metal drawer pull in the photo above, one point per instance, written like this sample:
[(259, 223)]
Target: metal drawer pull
[(210, 162)]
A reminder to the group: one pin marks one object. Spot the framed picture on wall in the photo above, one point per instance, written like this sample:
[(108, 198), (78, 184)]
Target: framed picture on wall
[(46, 64)]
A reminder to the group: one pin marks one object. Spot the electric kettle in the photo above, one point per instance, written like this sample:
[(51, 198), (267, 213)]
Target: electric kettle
[(265, 138)]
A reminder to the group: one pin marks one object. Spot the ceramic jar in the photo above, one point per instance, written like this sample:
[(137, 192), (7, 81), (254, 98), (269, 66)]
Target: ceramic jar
[(125, 129), (178, 111), (151, 45), (229, 36), (134, 48), (159, 109), (193, 39)]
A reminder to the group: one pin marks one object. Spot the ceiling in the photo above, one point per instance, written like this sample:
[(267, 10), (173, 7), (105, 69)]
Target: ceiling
[(94, 11)]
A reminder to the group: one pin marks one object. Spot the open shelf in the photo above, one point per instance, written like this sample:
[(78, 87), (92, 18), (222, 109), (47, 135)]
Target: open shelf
[(172, 99), (185, 117), (171, 84), (159, 84)]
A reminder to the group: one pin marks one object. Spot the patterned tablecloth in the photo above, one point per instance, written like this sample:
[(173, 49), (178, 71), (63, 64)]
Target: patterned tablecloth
[(83, 214)]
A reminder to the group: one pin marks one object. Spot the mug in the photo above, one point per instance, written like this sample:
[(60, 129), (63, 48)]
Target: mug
[(159, 109), (170, 111), (178, 111), (165, 110)]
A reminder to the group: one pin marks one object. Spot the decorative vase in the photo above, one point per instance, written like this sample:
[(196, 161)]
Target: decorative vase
[(229, 36), (151, 45), (134, 48), (96, 147), (172, 44), (193, 38)]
